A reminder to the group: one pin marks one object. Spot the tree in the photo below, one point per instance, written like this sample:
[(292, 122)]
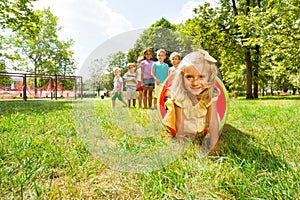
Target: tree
[(98, 71), (161, 35), (209, 29), (4, 80), (281, 35), (18, 15), (44, 51), (115, 60), (240, 35)]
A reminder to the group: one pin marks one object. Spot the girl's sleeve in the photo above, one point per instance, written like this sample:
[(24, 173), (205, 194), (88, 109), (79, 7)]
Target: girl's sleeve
[(169, 119), (142, 64)]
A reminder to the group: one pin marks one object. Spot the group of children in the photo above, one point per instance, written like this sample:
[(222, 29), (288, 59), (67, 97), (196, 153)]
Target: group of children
[(149, 76), (192, 105)]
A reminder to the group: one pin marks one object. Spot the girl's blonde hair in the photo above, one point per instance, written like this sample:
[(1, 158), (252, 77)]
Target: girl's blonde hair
[(201, 60), (161, 50), (115, 69)]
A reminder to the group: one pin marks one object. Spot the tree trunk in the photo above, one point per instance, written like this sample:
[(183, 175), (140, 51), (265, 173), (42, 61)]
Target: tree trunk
[(35, 82), (234, 7), (255, 72), (248, 62), (249, 74), (271, 90)]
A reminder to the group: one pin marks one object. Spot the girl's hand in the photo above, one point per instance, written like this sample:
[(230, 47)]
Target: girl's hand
[(213, 125), (157, 81), (180, 139), (214, 148)]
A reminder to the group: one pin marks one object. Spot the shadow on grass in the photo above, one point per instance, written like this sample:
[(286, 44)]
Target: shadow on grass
[(245, 149), (34, 106)]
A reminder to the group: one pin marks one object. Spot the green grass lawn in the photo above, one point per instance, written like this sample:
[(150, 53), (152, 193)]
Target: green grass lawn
[(51, 150)]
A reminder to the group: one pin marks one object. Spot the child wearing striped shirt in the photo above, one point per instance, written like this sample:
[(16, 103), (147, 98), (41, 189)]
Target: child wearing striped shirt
[(130, 80)]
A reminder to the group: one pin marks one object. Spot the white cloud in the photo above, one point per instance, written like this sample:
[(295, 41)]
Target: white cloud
[(187, 9), (88, 22), (92, 22)]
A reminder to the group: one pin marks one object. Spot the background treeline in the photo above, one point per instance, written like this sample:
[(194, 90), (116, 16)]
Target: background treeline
[(29, 41), (256, 43)]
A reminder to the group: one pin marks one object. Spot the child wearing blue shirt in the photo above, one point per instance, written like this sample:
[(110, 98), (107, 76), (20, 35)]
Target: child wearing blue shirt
[(159, 72)]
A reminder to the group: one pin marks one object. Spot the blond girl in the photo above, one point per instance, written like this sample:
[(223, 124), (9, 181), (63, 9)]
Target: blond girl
[(118, 87), (175, 59), (193, 105)]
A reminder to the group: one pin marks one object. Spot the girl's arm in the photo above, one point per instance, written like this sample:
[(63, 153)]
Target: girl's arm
[(169, 72), (126, 79), (179, 123), (153, 73), (142, 75), (213, 125), (121, 88)]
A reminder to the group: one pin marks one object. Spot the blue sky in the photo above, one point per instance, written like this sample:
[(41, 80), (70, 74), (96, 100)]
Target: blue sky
[(92, 22)]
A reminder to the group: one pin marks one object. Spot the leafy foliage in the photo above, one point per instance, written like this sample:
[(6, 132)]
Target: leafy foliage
[(257, 38), (4, 80), (115, 60), (30, 41), (44, 51), (161, 35), (98, 71), (18, 15)]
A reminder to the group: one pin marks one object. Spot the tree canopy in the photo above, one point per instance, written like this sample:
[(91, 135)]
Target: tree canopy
[(256, 42), (160, 35), (256, 38), (30, 40)]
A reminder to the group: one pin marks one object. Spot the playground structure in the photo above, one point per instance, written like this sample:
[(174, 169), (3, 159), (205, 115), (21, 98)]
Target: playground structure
[(53, 88)]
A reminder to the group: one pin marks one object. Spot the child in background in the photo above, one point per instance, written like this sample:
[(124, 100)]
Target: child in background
[(147, 79), (175, 59), (118, 87), (193, 105), (159, 73), (139, 80), (130, 80)]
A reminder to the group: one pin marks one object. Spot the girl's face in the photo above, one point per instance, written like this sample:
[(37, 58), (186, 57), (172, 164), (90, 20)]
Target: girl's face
[(195, 81), (118, 72), (161, 56), (148, 55), (175, 61)]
